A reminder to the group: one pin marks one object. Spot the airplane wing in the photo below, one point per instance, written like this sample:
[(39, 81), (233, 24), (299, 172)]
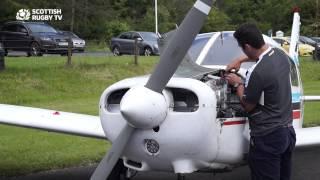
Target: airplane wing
[(311, 98), (307, 137), (50, 120)]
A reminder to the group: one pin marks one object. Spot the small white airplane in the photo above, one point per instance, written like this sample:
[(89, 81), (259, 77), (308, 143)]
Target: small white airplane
[(182, 118)]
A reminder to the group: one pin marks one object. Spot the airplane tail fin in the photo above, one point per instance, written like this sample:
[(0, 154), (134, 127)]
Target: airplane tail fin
[(295, 33)]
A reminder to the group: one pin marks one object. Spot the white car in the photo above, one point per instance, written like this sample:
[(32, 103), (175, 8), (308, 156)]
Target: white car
[(78, 43)]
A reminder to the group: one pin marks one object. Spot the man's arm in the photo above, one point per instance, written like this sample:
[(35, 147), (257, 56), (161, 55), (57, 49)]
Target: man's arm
[(234, 79), (236, 63), (248, 107)]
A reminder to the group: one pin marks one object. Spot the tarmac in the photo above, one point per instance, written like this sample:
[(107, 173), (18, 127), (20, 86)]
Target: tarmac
[(306, 163)]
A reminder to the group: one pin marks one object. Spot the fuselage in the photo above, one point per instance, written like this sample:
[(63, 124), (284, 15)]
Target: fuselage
[(204, 127)]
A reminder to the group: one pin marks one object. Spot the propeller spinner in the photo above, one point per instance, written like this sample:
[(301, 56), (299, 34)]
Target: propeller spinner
[(142, 114)]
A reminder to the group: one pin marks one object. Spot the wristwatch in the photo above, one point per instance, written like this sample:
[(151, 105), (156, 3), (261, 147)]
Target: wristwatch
[(237, 85)]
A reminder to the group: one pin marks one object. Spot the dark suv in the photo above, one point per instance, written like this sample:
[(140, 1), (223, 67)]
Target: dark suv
[(35, 38)]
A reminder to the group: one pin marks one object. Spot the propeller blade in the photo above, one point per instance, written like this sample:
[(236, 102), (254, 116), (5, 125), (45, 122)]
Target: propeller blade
[(179, 45), (110, 159)]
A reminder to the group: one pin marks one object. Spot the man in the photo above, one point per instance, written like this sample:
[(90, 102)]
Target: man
[(266, 96)]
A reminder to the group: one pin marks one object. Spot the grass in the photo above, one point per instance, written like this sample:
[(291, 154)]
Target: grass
[(45, 82), (97, 46), (309, 70)]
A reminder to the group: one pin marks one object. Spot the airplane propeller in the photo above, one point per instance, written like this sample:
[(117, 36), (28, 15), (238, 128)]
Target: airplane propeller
[(141, 114)]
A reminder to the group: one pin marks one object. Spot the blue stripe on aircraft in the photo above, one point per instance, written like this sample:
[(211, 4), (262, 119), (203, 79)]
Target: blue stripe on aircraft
[(296, 97), (296, 59)]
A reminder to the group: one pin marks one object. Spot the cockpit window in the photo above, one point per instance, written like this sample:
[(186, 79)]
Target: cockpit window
[(197, 46), (224, 49), (213, 49)]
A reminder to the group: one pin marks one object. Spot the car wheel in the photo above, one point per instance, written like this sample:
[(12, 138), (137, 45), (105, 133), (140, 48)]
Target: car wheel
[(116, 51), (65, 54), (5, 52), (147, 51), (35, 49)]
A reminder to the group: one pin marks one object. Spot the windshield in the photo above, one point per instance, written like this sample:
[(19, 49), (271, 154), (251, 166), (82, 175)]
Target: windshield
[(307, 40), (71, 34), (41, 28), (149, 36), (317, 39), (212, 51), (224, 49)]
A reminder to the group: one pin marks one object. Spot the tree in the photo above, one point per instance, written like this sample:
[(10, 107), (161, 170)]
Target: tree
[(309, 17), (217, 21), (90, 17), (271, 14), (114, 28)]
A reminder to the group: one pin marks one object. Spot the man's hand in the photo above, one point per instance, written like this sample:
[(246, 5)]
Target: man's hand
[(233, 79), (235, 64)]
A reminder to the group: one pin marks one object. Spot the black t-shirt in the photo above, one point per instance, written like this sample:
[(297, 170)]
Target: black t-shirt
[(268, 85)]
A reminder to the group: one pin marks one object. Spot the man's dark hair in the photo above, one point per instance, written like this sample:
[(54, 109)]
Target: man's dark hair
[(249, 34)]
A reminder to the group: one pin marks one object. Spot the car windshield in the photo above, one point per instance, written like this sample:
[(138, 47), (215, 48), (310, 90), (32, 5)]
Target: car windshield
[(308, 40), (41, 28), (149, 36), (317, 39), (71, 34)]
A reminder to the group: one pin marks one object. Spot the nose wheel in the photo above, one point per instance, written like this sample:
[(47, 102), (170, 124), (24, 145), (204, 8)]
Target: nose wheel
[(120, 172), (181, 177)]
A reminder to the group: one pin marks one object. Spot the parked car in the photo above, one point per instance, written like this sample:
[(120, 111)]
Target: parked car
[(304, 49), (2, 63), (78, 43), (317, 39), (316, 54), (124, 43), (307, 40), (35, 38)]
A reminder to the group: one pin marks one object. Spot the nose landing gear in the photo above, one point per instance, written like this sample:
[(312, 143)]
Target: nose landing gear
[(181, 177)]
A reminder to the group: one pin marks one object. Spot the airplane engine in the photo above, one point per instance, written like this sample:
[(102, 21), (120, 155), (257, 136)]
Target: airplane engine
[(234, 133), (228, 104)]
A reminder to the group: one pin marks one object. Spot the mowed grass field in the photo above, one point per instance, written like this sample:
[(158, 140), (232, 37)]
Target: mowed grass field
[(45, 82), (310, 76)]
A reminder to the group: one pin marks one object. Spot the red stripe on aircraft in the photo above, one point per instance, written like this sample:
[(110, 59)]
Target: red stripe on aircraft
[(228, 123), (296, 114)]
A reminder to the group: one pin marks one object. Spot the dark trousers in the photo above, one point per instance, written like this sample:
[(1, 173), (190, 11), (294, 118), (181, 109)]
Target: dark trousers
[(270, 155)]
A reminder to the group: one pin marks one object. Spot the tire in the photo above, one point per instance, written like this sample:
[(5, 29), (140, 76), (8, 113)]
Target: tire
[(118, 172), (65, 54), (116, 51), (147, 51), (35, 49), (5, 52)]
